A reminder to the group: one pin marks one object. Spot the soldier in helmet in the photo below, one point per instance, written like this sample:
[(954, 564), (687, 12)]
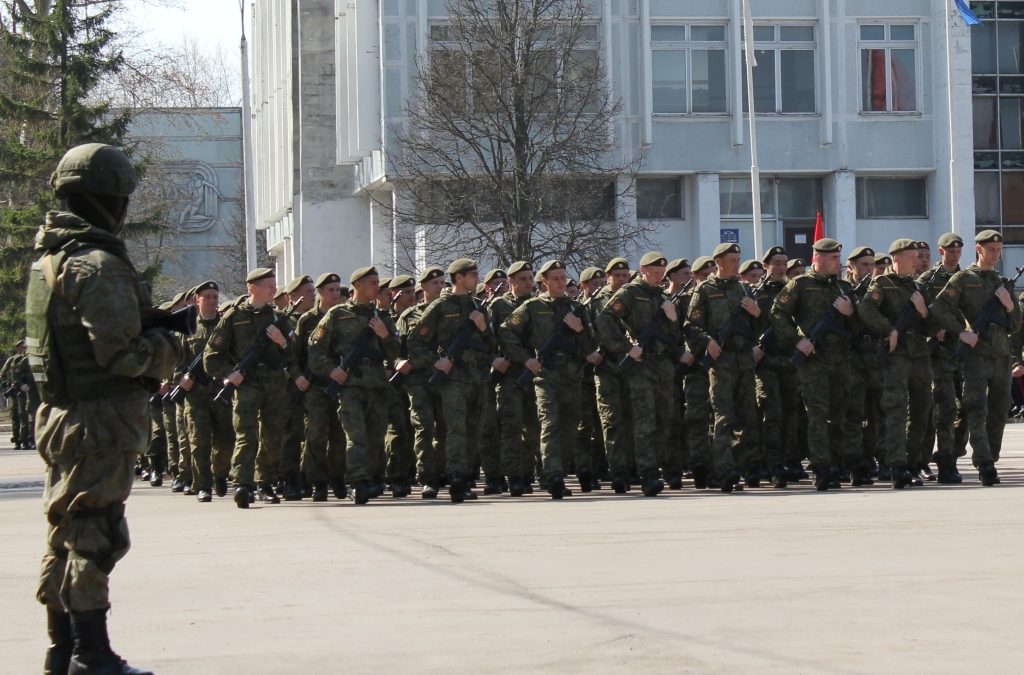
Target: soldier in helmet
[(92, 358)]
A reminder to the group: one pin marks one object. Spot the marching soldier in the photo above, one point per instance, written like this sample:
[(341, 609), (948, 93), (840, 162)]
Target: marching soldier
[(675, 455), (489, 449), (795, 268), (988, 367), (301, 290), (260, 398), (364, 335), (697, 393), (528, 338), (589, 439), (865, 376)]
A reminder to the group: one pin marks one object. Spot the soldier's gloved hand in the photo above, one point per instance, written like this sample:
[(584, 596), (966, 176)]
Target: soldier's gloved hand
[(894, 339), (533, 365), (573, 322), (339, 376), (444, 365), (186, 383), (941, 335), (379, 328), (301, 383), (636, 352), (595, 358), (1004, 297), (805, 346), (758, 354), (919, 304), (751, 307), (670, 310), (276, 336), (969, 338), (843, 305), (24, 388), (235, 378), (714, 349), (165, 388), (403, 366), (1018, 371), (479, 320), (687, 359), (500, 364), (156, 353)]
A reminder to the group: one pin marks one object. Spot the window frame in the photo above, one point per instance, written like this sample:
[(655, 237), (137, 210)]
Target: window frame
[(926, 179), (687, 46), (680, 182), (777, 45), (888, 44)]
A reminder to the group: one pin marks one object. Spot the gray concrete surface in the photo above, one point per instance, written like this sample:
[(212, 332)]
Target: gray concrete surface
[(859, 581)]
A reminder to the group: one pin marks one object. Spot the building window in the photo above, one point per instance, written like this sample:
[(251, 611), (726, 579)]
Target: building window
[(659, 198), (888, 67), (784, 78), (735, 199), (891, 198), (688, 64)]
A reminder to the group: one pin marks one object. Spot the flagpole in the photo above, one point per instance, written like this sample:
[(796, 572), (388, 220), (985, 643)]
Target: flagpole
[(954, 225), (755, 172)]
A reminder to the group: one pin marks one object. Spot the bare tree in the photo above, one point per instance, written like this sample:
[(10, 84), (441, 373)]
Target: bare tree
[(507, 149)]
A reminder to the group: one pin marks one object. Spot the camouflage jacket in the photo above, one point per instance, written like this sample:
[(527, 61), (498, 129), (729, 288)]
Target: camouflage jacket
[(238, 330), (627, 313), (802, 304), (336, 334), (536, 320), (963, 298), (440, 323), (711, 305), (195, 344), (934, 280), (304, 327), (886, 297)]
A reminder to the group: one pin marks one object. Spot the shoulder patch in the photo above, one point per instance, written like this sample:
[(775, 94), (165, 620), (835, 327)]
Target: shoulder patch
[(217, 341), (424, 331), (319, 333), (876, 296)]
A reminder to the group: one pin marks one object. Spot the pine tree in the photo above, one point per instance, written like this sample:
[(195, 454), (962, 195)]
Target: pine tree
[(53, 56)]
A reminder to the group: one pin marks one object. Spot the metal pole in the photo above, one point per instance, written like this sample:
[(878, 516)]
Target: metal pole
[(247, 159), (755, 173), (954, 225)]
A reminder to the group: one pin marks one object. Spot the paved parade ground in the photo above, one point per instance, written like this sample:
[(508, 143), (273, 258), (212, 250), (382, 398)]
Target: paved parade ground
[(857, 581)]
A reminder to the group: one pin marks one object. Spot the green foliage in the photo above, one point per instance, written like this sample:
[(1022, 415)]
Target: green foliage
[(51, 62)]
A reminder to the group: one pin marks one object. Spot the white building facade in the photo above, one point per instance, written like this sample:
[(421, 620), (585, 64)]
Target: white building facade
[(853, 113)]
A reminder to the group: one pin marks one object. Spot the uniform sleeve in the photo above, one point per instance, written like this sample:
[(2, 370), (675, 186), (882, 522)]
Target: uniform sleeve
[(511, 332), (318, 355), (608, 324), (869, 310), (784, 312), (392, 346), (946, 308), (695, 327), (217, 358), (585, 338), (421, 342)]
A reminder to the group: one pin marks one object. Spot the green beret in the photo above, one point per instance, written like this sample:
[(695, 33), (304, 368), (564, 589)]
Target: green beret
[(519, 266), (794, 263), (383, 282), (259, 273), (361, 273), (772, 252), (902, 245), (923, 246), (180, 297), (20, 343), (591, 273), (345, 290), (294, 284), (205, 286), (494, 274), (882, 259), (538, 277), (860, 252), (725, 248), (751, 265), (676, 265), (827, 245), (654, 258), (551, 265), (430, 273), (166, 307), (951, 240), (462, 266), (616, 264), (402, 281), (571, 282), (481, 288), (987, 237), (702, 263), (327, 278), (280, 293)]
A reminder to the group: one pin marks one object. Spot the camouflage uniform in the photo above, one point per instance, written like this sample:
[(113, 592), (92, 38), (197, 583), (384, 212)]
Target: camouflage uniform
[(614, 406), (777, 391), (589, 438), (210, 431), (324, 458), (426, 411), (8, 379), (865, 419)]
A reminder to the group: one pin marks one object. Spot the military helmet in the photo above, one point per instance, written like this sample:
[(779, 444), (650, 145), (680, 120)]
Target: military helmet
[(94, 168)]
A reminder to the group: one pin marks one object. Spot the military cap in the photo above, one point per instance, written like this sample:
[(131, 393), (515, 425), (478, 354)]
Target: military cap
[(280, 293), (20, 343), (654, 258), (361, 273), (166, 307), (402, 281), (481, 288), (519, 266), (345, 290), (724, 248), (180, 297), (987, 237), (633, 275), (751, 265), (882, 259), (462, 266), (616, 264), (295, 283), (430, 273), (827, 245), (771, 253), (592, 273), (258, 274), (923, 246), (677, 264), (860, 252), (702, 263), (538, 277), (551, 265), (901, 245), (383, 283), (495, 274), (205, 286), (951, 240), (794, 263), (327, 278), (571, 282)]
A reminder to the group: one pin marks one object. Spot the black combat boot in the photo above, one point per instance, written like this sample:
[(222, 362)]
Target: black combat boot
[(900, 477), (586, 479), (651, 485), (265, 493), (860, 476), (492, 485), (364, 491), (731, 482), (292, 491), (516, 486), (58, 654), (92, 654), (778, 477), (674, 480), (948, 475), (620, 483), (556, 487), (220, 486), (824, 479), (700, 477), (242, 496), (987, 474), (320, 491), (339, 488)]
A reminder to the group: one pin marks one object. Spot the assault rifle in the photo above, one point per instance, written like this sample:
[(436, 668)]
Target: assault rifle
[(557, 341), (907, 318), (195, 372), (991, 313), (832, 322), (653, 331), (737, 323), (357, 352), (463, 338)]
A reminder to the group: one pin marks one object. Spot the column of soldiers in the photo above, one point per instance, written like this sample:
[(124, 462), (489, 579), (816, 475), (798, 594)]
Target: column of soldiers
[(22, 396), (727, 372)]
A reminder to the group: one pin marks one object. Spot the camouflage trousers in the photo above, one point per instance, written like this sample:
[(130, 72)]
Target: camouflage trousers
[(462, 402), (986, 402), (777, 414), (258, 417), (697, 418), (292, 440), (858, 431), (398, 443), (364, 418), (170, 418), (589, 439), (823, 385), (25, 407), (949, 428), (488, 455), (558, 409), (16, 422), (614, 407), (734, 404), (427, 416), (520, 427), (650, 386), (906, 400), (156, 452), (324, 457), (211, 437)]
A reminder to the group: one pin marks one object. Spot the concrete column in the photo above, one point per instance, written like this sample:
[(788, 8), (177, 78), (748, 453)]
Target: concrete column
[(708, 215), (840, 216)]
